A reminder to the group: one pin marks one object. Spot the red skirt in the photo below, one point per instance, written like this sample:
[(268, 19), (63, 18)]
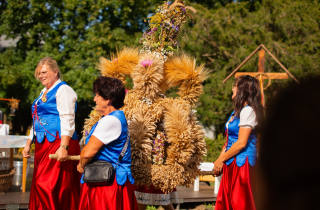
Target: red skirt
[(235, 189), (108, 197), (55, 185)]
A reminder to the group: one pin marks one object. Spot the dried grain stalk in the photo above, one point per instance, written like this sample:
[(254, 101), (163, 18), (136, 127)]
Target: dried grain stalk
[(94, 117), (142, 129), (133, 104), (191, 9), (176, 4), (182, 70), (147, 76), (120, 64)]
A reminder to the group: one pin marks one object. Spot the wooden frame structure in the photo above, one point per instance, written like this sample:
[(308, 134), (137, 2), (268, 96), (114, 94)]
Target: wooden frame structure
[(261, 70)]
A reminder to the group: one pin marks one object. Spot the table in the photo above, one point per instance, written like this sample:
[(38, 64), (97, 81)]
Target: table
[(208, 166), (12, 141)]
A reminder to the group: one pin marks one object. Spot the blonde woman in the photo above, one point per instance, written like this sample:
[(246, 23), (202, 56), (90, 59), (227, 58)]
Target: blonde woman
[(55, 183)]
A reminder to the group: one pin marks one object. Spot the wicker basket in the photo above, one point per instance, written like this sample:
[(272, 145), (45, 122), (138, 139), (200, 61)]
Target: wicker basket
[(6, 179)]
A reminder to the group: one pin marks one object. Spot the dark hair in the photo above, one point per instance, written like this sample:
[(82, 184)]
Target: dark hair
[(248, 91), (289, 148), (110, 88)]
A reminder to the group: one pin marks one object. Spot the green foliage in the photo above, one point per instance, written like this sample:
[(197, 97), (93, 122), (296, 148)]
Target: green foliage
[(151, 208), (215, 4), (224, 36), (209, 206), (75, 33), (214, 148)]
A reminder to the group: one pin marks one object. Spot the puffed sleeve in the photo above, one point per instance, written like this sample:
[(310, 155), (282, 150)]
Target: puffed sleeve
[(66, 104), (108, 129), (248, 118)]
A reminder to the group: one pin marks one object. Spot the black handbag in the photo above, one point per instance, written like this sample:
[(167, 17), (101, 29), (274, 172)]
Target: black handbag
[(101, 171)]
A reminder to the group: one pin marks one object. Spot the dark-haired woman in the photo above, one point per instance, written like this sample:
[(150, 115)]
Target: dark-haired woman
[(105, 142), (239, 154)]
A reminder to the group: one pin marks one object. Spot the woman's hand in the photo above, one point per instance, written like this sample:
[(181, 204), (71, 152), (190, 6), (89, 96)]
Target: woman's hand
[(218, 166), (80, 168), (62, 154), (25, 151)]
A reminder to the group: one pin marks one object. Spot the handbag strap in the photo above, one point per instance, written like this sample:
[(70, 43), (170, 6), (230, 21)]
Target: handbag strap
[(125, 147)]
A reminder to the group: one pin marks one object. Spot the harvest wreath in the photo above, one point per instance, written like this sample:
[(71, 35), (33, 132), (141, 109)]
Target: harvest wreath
[(167, 143)]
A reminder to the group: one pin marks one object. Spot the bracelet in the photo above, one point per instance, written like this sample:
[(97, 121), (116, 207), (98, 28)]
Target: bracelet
[(64, 146)]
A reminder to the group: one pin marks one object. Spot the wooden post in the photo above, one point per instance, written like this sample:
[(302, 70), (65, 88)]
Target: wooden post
[(11, 157), (262, 54), (24, 174)]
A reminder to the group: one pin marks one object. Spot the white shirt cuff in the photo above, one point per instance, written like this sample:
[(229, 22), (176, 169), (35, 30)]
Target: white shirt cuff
[(31, 133)]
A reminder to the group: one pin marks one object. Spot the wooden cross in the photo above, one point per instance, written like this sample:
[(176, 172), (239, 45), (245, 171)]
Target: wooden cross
[(261, 75)]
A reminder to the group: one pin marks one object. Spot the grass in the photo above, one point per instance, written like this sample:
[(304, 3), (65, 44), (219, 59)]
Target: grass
[(151, 208)]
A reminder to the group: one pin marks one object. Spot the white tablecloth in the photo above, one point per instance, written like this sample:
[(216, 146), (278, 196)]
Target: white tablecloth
[(206, 166), (12, 141), (4, 129)]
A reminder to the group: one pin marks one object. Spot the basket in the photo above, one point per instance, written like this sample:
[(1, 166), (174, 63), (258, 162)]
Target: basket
[(6, 179)]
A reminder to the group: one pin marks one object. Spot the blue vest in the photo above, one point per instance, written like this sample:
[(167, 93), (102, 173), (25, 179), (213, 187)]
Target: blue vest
[(249, 151), (46, 119), (111, 151)]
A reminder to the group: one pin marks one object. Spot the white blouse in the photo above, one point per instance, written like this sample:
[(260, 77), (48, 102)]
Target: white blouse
[(247, 118), (66, 100), (108, 129)]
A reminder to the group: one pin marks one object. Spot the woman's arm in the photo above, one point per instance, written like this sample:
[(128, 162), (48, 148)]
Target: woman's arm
[(107, 130), (88, 152), (26, 149), (223, 150), (235, 149), (66, 101)]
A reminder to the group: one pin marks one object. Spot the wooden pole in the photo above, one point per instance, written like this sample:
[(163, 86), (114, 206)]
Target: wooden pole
[(261, 67), (24, 174), (11, 157), (70, 157), (284, 68), (262, 54), (7, 99), (245, 61), (264, 76)]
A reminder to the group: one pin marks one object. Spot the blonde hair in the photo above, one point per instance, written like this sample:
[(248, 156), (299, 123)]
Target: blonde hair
[(51, 63)]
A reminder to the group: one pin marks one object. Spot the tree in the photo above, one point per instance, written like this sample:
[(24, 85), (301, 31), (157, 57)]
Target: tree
[(75, 33), (223, 37)]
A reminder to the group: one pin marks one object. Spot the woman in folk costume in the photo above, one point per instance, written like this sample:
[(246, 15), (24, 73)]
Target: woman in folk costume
[(107, 139), (239, 154), (55, 184)]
